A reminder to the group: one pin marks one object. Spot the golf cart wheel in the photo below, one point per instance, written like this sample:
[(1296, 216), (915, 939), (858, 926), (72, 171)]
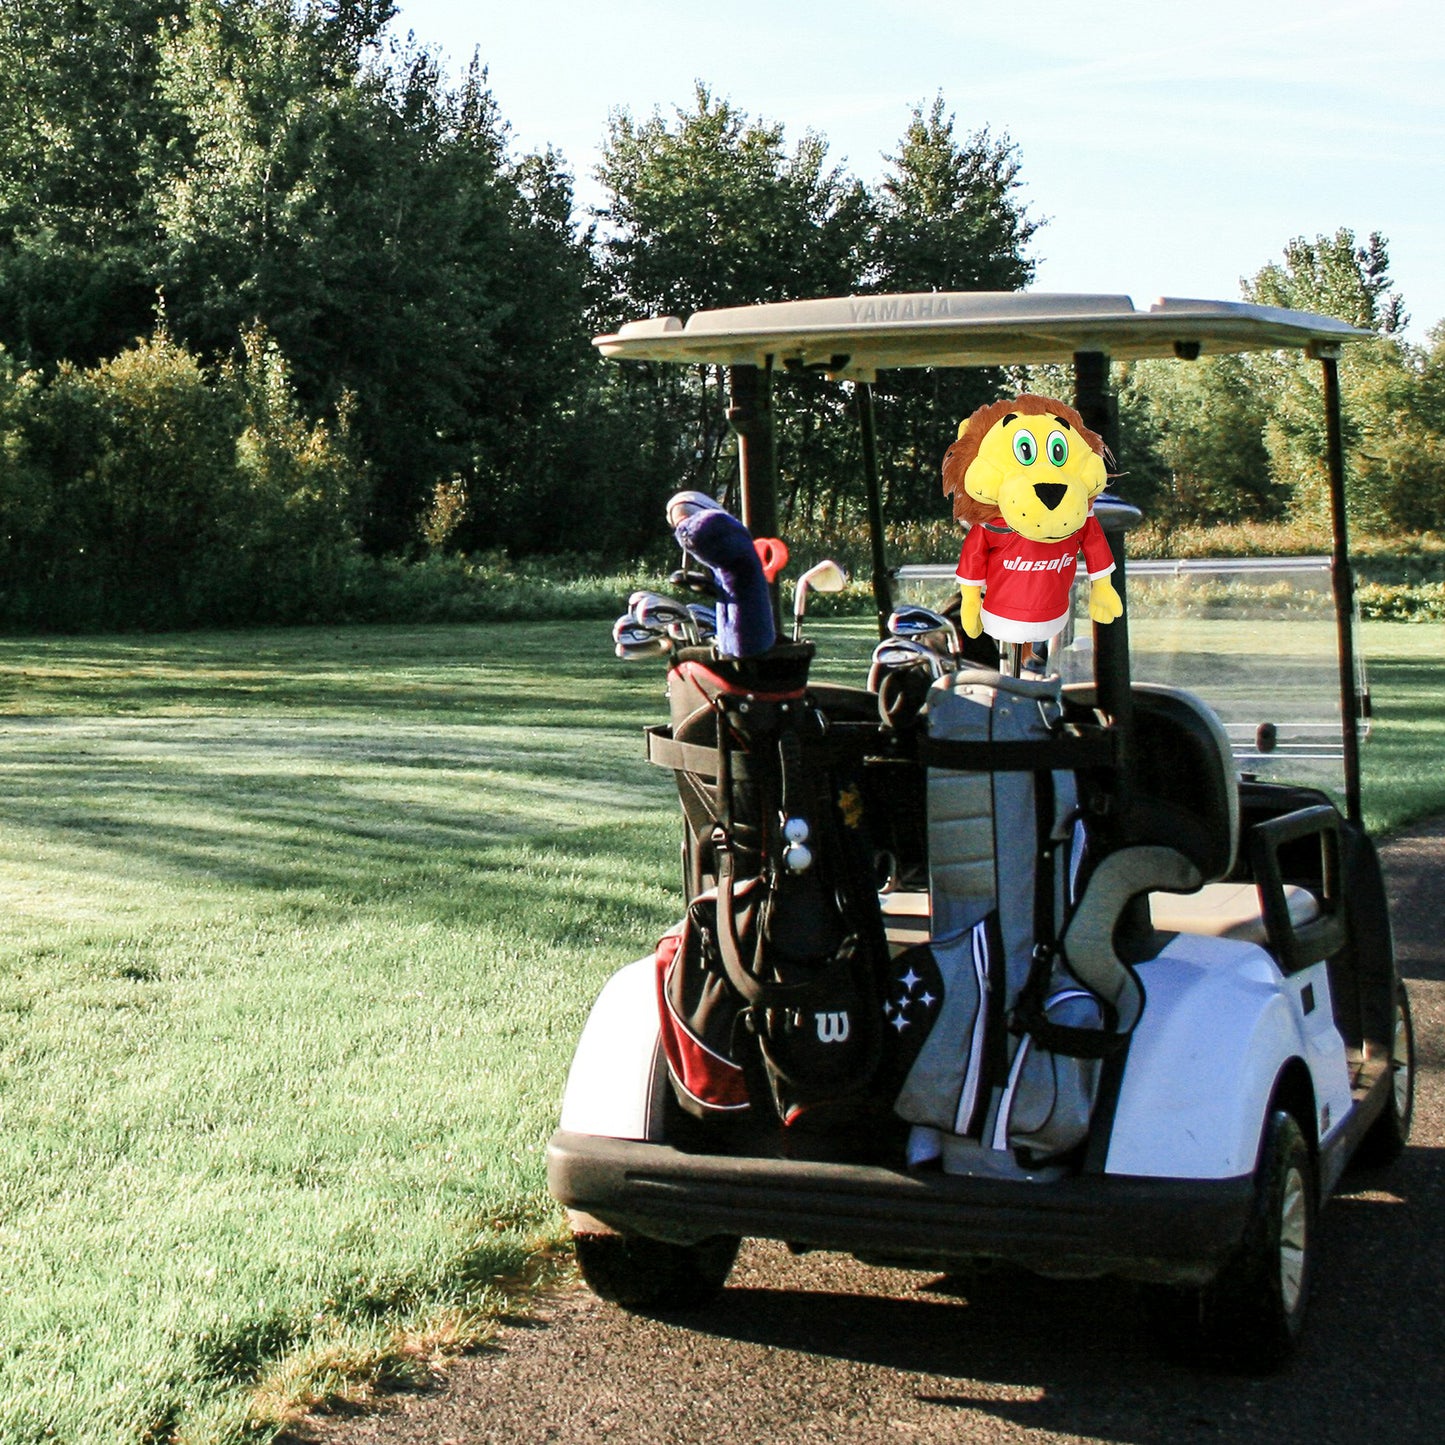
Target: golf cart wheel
[(1387, 1136), (642, 1274), (1249, 1318), (1253, 1313)]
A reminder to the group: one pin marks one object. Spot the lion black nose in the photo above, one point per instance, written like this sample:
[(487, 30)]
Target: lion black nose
[(1050, 493)]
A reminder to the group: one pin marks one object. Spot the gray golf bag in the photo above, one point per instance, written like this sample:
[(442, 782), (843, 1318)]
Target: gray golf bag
[(1008, 1071)]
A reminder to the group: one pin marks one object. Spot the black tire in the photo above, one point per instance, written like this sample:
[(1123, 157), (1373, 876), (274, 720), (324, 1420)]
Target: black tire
[(1386, 1138), (639, 1273), (1251, 1316)]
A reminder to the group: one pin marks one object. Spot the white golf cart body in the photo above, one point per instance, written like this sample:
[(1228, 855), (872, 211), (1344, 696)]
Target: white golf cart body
[(1239, 1021)]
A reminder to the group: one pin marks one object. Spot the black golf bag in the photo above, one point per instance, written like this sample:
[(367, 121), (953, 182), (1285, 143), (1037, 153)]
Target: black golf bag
[(772, 987)]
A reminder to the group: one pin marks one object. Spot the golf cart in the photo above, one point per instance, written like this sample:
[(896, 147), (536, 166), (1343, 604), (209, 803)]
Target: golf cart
[(1118, 997)]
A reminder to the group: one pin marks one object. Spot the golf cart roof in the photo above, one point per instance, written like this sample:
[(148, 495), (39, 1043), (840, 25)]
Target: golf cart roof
[(856, 336)]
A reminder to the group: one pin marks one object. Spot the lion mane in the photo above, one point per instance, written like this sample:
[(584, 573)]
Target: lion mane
[(960, 456)]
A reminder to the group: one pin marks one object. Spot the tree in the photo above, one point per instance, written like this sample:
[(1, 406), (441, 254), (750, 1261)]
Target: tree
[(76, 139), (1192, 442), (353, 208), (949, 218), (368, 214), (1334, 276), (710, 209), (1394, 431)]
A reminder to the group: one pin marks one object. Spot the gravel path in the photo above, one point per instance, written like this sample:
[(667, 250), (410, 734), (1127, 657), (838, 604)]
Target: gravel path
[(821, 1349)]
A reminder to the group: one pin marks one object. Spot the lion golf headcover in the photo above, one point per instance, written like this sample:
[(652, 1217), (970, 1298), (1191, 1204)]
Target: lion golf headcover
[(1023, 475)]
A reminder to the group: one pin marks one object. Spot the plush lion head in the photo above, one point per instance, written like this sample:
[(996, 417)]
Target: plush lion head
[(1030, 460)]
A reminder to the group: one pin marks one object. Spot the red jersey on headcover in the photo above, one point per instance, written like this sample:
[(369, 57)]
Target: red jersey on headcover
[(1026, 584)]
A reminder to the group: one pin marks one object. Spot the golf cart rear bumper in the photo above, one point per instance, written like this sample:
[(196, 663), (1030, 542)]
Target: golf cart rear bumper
[(1145, 1229)]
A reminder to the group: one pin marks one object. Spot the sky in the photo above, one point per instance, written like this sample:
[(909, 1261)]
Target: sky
[(1173, 147)]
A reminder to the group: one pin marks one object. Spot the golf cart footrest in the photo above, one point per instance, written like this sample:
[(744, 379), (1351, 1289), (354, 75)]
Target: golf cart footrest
[(1138, 1228)]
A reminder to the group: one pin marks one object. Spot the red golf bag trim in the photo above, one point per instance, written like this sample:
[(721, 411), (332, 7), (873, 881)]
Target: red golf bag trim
[(714, 1082)]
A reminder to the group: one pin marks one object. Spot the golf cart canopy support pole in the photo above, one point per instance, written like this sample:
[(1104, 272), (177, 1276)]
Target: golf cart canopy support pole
[(868, 431), (750, 414), (1343, 583), (1111, 643)]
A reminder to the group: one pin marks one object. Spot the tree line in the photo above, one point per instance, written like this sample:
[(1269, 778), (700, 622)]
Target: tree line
[(277, 294)]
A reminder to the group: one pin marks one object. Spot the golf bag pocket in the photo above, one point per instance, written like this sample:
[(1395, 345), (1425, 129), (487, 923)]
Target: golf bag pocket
[(1049, 1097), (818, 1037), (808, 1024), (698, 1016), (947, 1085)]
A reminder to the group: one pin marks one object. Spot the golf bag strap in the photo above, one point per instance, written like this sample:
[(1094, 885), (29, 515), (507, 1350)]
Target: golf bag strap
[(664, 751), (757, 992), (1030, 1015), (740, 972), (1069, 750), (790, 765), (729, 947), (844, 742)]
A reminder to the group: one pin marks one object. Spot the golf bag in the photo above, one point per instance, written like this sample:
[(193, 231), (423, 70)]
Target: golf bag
[(773, 984), (1010, 1066)]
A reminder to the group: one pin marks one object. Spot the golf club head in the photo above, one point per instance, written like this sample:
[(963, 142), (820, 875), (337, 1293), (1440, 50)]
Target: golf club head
[(704, 619), (654, 646), (694, 579), (627, 624), (923, 624), (825, 576), (652, 609), (895, 654), (632, 638)]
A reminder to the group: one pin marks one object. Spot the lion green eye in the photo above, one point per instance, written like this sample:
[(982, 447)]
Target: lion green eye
[(1025, 448), (1057, 448)]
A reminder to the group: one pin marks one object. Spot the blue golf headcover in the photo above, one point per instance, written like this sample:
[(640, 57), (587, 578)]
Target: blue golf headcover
[(745, 608)]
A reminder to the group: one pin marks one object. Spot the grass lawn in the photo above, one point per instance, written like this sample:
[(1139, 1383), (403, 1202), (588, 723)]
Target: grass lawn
[(297, 930)]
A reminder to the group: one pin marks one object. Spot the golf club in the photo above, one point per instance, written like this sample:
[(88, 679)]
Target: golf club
[(826, 576), (652, 609), (894, 654), (923, 624)]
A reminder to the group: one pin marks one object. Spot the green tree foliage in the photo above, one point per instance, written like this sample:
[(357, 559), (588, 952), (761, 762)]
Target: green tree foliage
[(1394, 432), (1243, 438), (1192, 442), (80, 114), (142, 492), (281, 162), (367, 215), (949, 218), (709, 208), (1334, 276)]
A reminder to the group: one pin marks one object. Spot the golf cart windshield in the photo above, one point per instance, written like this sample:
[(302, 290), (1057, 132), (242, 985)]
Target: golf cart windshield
[(1255, 637)]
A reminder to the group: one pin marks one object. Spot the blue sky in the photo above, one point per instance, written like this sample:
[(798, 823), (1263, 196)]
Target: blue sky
[(1173, 146)]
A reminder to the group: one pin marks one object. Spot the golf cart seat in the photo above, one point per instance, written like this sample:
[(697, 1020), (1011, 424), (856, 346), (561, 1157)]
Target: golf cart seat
[(1228, 910), (1188, 796)]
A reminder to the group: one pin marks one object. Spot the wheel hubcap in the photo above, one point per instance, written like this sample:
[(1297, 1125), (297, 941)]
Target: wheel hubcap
[(1293, 1227), (1400, 1063)]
